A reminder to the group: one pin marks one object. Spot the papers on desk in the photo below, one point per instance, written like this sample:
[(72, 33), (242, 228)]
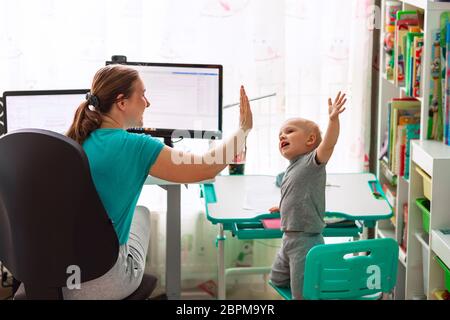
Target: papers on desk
[(260, 199), (258, 203), (331, 220)]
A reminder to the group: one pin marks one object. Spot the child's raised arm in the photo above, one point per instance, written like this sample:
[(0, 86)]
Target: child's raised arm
[(326, 147)]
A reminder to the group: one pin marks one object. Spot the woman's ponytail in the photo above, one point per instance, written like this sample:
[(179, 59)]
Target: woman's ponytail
[(84, 122)]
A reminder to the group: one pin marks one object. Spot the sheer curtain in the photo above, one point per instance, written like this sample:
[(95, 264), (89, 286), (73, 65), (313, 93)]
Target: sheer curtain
[(303, 51)]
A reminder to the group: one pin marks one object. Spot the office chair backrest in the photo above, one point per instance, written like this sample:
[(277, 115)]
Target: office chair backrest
[(333, 272), (51, 218)]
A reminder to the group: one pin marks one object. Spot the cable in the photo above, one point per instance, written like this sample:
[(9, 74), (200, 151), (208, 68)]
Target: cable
[(178, 140), (254, 99)]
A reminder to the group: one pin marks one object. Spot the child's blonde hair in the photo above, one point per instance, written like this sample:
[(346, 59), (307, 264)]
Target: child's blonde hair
[(309, 127)]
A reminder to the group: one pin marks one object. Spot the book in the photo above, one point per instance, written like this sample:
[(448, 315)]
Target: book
[(404, 229), (390, 194), (392, 179), (272, 223), (398, 149), (330, 221), (403, 122), (409, 116), (435, 113), (402, 156), (388, 46), (389, 134), (409, 60), (412, 132), (447, 88), (444, 19), (405, 19), (417, 66), (400, 107)]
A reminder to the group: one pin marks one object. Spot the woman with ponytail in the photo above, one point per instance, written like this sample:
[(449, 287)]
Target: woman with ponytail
[(120, 162)]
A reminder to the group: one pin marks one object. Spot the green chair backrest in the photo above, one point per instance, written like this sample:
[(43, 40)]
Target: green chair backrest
[(332, 271)]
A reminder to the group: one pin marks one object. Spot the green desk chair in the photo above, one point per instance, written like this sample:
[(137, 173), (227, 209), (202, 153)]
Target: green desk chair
[(332, 271)]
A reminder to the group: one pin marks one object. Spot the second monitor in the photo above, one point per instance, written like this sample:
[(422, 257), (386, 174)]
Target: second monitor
[(183, 97)]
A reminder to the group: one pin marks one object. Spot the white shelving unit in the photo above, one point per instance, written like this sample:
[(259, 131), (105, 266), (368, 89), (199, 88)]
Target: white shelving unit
[(431, 156)]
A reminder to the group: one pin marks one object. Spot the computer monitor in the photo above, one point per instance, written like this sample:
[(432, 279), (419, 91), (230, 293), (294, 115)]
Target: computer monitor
[(183, 97), (51, 110)]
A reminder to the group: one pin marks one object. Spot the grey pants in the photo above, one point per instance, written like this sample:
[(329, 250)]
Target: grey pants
[(289, 266), (126, 275)]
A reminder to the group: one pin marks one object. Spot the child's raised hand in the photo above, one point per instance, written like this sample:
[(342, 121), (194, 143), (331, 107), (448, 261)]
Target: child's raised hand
[(336, 108), (245, 114), (274, 210)]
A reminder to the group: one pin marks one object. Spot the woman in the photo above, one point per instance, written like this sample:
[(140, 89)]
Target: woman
[(120, 162)]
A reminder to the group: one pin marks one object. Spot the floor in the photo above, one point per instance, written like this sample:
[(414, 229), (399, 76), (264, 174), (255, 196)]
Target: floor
[(238, 291)]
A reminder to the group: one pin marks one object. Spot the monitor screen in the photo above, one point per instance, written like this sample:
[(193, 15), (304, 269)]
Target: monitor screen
[(183, 97), (51, 110)]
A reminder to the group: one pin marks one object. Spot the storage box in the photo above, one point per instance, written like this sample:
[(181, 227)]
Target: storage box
[(446, 273), (426, 183), (424, 206), (442, 295)]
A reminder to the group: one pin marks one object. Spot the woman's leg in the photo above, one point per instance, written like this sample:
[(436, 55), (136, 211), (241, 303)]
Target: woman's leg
[(126, 275), (138, 240)]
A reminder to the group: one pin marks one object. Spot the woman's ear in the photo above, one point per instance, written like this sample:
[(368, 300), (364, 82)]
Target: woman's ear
[(120, 101)]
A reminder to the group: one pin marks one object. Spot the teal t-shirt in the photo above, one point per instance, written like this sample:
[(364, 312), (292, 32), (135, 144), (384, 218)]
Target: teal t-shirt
[(120, 162)]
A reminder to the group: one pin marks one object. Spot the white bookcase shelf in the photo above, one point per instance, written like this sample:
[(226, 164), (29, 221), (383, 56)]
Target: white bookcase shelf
[(426, 5), (441, 245), (419, 275), (433, 157)]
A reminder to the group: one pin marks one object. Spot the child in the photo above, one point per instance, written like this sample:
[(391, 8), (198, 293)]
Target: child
[(302, 203)]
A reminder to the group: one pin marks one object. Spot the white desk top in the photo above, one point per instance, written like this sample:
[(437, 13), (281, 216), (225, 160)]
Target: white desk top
[(247, 197)]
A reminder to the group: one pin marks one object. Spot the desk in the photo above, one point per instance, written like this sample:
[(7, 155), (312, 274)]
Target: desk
[(173, 235), (240, 199)]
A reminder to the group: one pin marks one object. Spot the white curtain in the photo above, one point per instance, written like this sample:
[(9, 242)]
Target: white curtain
[(303, 51)]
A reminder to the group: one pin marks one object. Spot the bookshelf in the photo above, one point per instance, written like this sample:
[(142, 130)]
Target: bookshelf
[(433, 157), (419, 275)]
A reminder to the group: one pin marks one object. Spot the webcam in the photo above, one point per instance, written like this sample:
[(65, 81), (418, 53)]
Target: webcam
[(118, 59)]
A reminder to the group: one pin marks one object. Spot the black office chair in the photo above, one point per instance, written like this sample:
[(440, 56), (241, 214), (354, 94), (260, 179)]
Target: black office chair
[(51, 216)]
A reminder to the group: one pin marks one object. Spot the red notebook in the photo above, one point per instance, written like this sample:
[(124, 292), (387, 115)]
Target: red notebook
[(272, 223)]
